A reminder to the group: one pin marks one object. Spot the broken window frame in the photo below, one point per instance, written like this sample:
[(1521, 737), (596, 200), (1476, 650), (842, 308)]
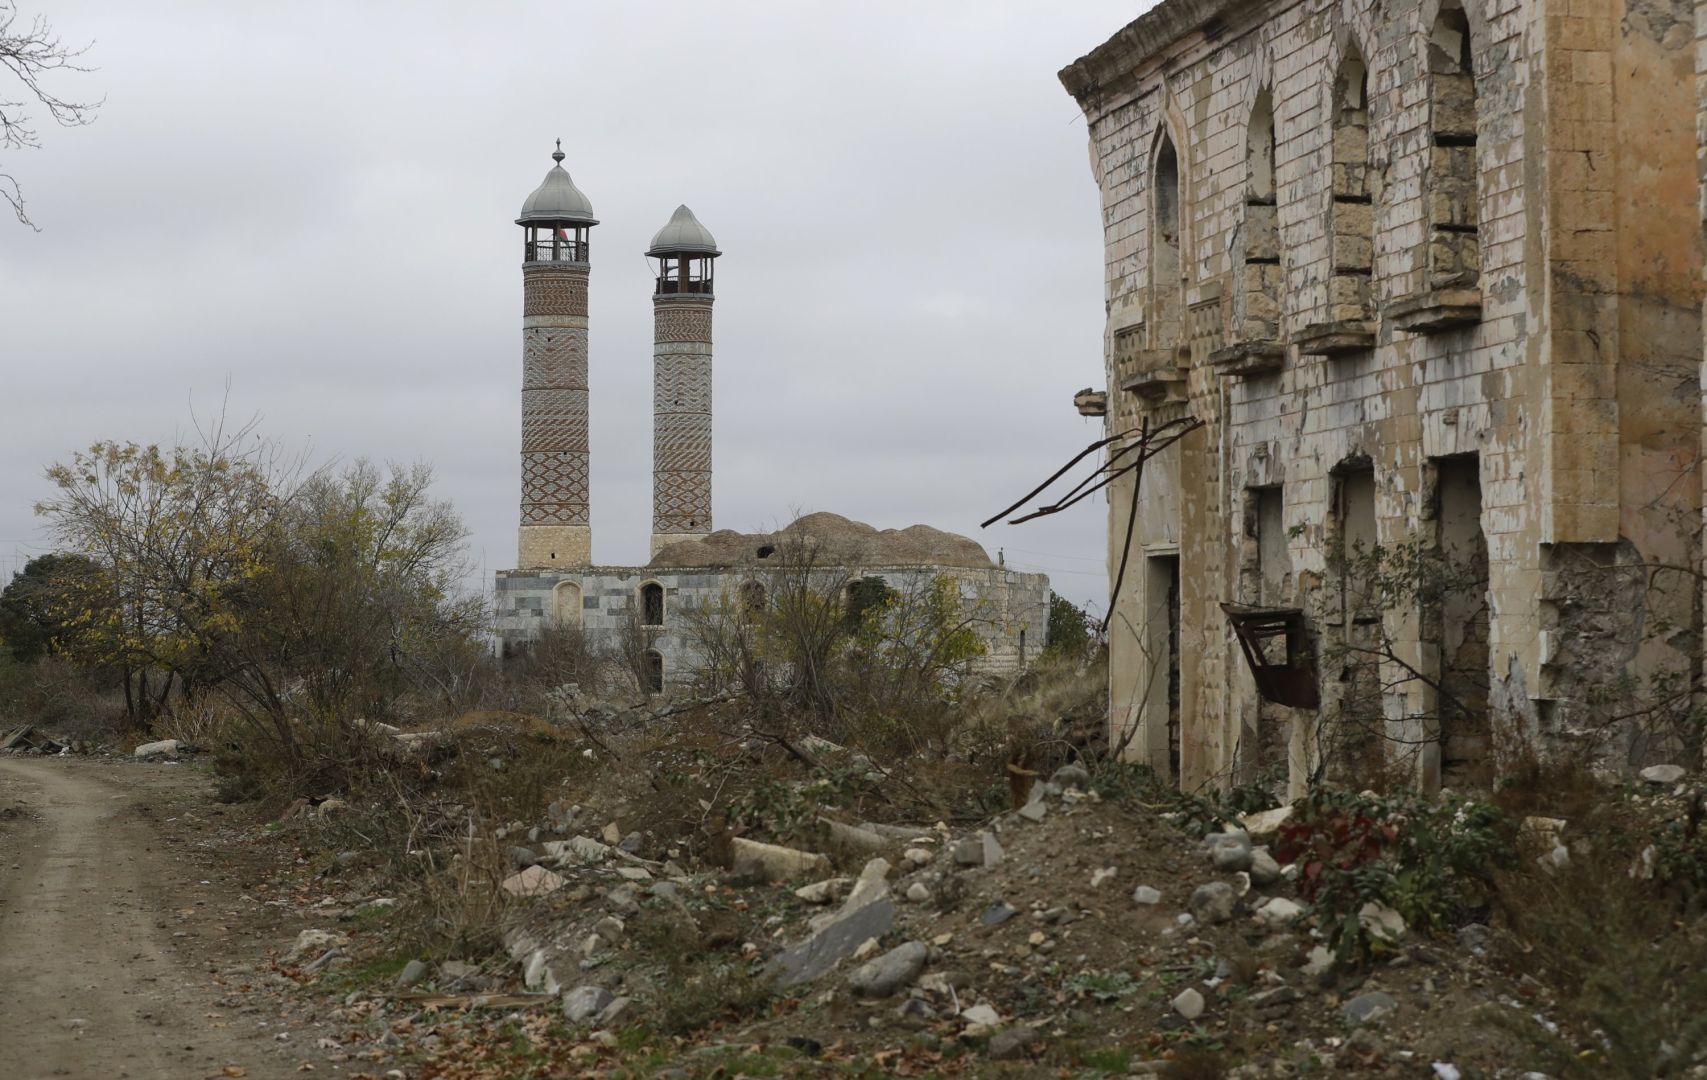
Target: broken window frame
[(1295, 682)]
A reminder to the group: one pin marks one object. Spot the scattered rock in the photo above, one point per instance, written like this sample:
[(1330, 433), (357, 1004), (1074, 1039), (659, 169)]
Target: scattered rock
[(1475, 937), (836, 940), (1189, 1003), (1099, 876), (1230, 851), (998, 913), (1035, 810), (1013, 1042), (610, 928), (576, 850), (1264, 869), (1381, 923), (413, 972), (166, 748), (918, 893), (585, 1002), (981, 1014), (534, 881), (520, 858), (618, 1013), (1319, 962), (315, 942), (894, 970), (775, 862), (1368, 1008), (919, 856), (1279, 913), (1144, 894), (1213, 903), (822, 892), (1653, 774), (1071, 776)]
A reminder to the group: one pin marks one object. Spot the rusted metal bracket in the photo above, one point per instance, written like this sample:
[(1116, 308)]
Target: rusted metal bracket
[(1287, 679)]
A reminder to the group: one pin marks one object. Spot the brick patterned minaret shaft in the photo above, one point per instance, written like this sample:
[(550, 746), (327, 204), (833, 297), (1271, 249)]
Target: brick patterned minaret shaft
[(555, 528), (681, 381)]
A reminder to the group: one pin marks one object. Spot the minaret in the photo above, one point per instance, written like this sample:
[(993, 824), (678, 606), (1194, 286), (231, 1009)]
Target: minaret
[(555, 220), (681, 380)]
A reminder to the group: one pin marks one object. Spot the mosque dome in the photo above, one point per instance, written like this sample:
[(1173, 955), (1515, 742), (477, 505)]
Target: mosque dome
[(557, 200), (683, 235)]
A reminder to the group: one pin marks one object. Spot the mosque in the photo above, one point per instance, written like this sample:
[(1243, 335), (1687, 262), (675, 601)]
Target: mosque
[(555, 582)]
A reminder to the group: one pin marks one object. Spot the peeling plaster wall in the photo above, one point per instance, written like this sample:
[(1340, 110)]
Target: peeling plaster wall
[(1578, 388), (1003, 605)]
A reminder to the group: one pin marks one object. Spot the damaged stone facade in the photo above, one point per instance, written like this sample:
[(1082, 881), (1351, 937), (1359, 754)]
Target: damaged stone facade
[(1431, 274)]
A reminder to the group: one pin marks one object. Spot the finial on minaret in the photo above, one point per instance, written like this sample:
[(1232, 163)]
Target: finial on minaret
[(558, 155)]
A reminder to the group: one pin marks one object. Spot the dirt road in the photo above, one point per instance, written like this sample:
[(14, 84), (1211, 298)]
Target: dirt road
[(100, 974)]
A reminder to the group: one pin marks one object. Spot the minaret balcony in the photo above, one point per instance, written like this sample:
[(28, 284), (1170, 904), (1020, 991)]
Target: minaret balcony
[(556, 251)]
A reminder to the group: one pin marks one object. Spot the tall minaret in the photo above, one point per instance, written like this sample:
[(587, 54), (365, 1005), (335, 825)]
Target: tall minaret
[(556, 219), (681, 380)]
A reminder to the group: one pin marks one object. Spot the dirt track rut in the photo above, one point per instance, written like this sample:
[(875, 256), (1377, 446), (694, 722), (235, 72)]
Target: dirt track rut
[(93, 982)]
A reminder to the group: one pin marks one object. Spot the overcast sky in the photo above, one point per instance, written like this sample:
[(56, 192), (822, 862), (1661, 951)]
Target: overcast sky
[(314, 202)]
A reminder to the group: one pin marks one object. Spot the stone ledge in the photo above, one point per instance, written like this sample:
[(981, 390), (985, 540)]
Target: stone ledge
[(1435, 310), (1249, 357), (1157, 384), (1091, 402), (1336, 338)]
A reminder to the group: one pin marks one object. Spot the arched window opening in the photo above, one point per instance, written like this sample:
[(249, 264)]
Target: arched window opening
[(1166, 283), (1351, 299), (1263, 284), (752, 597), (566, 603), (866, 596), (1453, 254), (652, 604), (654, 671)]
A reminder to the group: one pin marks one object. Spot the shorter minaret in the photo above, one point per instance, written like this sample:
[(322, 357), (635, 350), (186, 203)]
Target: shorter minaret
[(681, 380), (555, 220)]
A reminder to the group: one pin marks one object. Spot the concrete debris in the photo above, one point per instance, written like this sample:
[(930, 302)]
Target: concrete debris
[(919, 856), (1071, 776), (1102, 874), (534, 881), (1035, 810), (775, 862), (1381, 923), (981, 850), (29, 740), (577, 850), (164, 748), (1663, 774), (835, 941), (1265, 823), (1188, 1003), (822, 892), (1279, 913), (891, 972), (854, 841), (315, 942), (981, 1014), (1368, 1008)]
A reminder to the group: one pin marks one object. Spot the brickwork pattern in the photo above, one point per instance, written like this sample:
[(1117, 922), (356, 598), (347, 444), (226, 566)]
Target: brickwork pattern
[(681, 417), (554, 452)]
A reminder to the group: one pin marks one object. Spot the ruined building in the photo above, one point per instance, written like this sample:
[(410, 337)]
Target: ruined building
[(556, 583), (1430, 275)]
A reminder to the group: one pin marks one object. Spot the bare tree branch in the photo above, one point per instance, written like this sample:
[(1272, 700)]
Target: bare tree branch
[(33, 53)]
